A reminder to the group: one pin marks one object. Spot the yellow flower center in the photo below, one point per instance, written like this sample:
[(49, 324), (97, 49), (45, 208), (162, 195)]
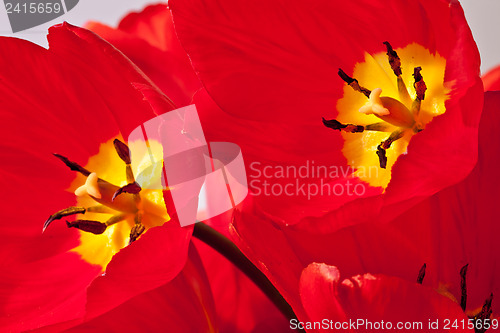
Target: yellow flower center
[(121, 214), (390, 108)]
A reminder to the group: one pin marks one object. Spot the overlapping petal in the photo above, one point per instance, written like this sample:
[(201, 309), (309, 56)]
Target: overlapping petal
[(240, 305), (491, 79), (377, 299), (149, 40), (155, 310)]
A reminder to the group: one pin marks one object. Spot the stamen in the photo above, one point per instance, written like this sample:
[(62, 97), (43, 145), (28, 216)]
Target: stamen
[(115, 219), (94, 227), (132, 188), (138, 217), (124, 153), (382, 147), (351, 128), (420, 89), (122, 150), (396, 135), (394, 59), (404, 96), (395, 63), (379, 127), (73, 165), (63, 213), (382, 157), (421, 274), (484, 314), (353, 83), (463, 287), (419, 84), (136, 231), (100, 209), (336, 125)]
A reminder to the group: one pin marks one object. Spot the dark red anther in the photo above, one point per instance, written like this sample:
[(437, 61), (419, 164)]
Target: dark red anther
[(394, 59), (122, 150), (94, 227), (463, 286), (421, 274), (132, 188), (419, 84)]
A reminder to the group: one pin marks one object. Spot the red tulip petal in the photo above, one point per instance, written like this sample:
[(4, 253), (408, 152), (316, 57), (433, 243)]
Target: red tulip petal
[(44, 291), (148, 39), (356, 250), (491, 79), (241, 306), (154, 25), (318, 289), (151, 261), (268, 249), (277, 61), (182, 305)]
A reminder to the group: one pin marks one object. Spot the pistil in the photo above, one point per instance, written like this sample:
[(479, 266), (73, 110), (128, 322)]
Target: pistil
[(388, 109)]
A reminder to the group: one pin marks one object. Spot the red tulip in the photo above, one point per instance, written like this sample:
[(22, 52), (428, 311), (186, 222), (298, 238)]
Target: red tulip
[(74, 99), (273, 69)]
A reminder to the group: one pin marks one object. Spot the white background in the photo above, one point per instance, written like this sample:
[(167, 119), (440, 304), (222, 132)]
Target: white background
[(483, 17)]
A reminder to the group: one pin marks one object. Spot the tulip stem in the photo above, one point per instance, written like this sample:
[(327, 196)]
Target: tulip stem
[(225, 247)]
